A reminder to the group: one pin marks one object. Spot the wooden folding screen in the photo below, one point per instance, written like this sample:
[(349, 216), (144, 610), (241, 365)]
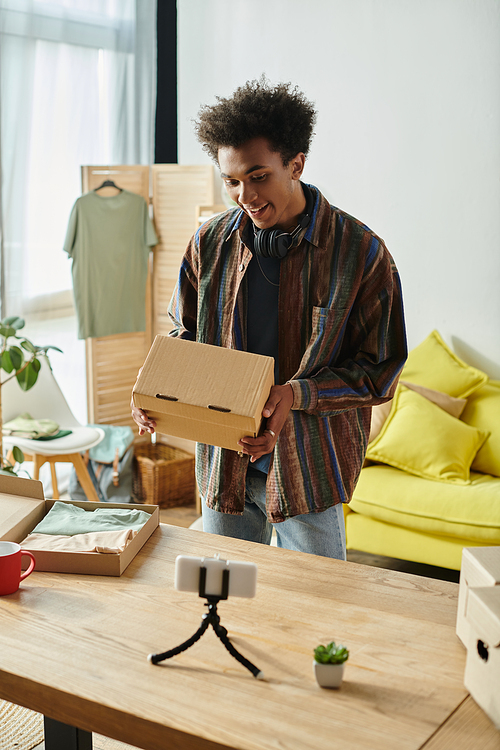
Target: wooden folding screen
[(113, 361), (177, 192)]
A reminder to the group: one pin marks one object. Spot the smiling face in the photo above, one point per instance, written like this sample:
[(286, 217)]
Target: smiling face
[(255, 179)]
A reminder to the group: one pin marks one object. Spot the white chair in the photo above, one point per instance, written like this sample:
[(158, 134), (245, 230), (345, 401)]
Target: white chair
[(46, 401)]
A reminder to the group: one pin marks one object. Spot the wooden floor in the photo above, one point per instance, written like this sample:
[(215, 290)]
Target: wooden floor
[(186, 515), (182, 516)]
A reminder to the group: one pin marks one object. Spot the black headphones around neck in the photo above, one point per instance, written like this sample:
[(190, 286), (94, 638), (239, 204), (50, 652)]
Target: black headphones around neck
[(275, 243)]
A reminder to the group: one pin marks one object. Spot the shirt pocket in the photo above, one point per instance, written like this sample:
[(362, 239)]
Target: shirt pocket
[(327, 331)]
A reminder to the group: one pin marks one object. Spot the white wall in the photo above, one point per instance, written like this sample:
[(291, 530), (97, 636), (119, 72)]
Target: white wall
[(407, 139)]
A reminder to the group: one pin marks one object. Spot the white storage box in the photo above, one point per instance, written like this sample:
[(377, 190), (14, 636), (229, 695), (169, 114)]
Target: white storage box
[(480, 567), (482, 668)]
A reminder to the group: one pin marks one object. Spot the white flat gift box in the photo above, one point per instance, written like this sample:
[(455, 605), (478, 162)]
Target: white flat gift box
[(480, 567), (482, 668)]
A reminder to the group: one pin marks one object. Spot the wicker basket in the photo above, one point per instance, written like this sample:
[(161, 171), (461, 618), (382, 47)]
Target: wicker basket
[(163, 475)]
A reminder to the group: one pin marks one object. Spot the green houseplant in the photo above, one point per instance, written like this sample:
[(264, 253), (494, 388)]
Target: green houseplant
[(329, 663), (20, 359)]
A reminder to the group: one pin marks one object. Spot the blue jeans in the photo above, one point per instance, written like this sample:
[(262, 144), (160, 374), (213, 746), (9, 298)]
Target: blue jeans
[(316, 533)]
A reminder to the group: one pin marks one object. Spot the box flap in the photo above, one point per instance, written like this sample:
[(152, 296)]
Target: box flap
[(22, 506), (206, 376), (481, 566), (21, 486), (483, 614), (18, 515)]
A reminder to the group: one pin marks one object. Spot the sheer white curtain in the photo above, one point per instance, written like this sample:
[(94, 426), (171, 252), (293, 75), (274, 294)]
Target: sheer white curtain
[(77, 86)]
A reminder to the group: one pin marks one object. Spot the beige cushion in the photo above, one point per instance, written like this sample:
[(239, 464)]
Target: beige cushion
[(379, 415)]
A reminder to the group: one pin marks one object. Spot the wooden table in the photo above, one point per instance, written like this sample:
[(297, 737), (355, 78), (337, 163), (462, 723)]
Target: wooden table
[(74, 648)]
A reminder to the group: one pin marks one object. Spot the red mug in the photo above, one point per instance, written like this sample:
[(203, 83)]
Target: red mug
[(10, 567)]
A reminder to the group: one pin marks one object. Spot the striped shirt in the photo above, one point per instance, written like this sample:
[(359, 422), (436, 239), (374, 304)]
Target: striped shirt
[(342, 345)]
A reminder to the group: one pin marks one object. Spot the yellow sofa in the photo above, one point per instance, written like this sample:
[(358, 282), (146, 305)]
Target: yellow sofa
[(431, 483)]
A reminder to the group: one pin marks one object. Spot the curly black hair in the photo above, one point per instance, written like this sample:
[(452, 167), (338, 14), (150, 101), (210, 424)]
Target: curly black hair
[(280, 113)]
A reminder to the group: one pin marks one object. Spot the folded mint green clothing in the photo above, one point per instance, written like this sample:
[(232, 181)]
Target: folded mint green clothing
[(69, 519), (25, 426)]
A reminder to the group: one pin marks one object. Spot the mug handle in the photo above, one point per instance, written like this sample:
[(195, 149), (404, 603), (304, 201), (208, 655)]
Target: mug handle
[(31, 565)]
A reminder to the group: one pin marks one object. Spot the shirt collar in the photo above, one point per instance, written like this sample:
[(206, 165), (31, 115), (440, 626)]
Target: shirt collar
[(320, 218)]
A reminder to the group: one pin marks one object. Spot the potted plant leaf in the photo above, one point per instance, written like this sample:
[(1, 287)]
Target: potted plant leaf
[(19, 359), (329, 664)]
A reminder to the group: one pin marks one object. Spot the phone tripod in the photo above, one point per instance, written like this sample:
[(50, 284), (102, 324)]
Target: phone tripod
[(210, 618)]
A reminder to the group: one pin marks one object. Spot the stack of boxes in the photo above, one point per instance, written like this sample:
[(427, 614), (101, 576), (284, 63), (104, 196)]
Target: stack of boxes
[(478, 626)]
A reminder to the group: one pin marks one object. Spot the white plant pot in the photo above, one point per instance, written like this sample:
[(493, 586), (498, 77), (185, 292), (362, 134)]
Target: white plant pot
[(328, 675)]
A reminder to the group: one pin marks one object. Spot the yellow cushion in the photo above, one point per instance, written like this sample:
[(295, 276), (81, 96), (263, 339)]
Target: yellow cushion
[(434, 365), (422, 439), (483, 412), (380, 412)]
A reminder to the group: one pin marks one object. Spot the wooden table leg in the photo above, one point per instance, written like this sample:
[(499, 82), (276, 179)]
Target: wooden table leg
[(59, 736)]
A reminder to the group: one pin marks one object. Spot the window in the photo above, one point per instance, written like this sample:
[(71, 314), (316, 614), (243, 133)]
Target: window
[(76, 87)]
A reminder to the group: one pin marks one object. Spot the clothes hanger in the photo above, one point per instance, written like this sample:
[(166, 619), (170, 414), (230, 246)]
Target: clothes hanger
[(108, 183)]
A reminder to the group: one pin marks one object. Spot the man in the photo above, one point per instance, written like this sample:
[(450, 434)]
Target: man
[(287, 275)]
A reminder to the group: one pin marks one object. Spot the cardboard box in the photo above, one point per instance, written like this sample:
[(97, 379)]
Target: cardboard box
[(204, 393), (480, 567), (22, 507), (482, 668)]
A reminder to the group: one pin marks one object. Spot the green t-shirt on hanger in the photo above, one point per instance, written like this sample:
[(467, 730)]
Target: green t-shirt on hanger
[(109, 239)]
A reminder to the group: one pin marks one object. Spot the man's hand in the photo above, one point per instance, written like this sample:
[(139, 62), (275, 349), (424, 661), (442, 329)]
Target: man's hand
[(275, 411), (142, 420), (140, 417)]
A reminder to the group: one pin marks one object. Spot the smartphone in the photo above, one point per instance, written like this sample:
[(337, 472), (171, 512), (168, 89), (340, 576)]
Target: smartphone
[(242, 575)]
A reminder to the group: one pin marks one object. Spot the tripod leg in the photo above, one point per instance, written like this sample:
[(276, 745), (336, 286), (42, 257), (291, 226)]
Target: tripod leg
[(155, 658), (221, 632)]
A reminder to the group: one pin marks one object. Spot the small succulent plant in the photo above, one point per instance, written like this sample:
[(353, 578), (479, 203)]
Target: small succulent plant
[(331, 654)]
